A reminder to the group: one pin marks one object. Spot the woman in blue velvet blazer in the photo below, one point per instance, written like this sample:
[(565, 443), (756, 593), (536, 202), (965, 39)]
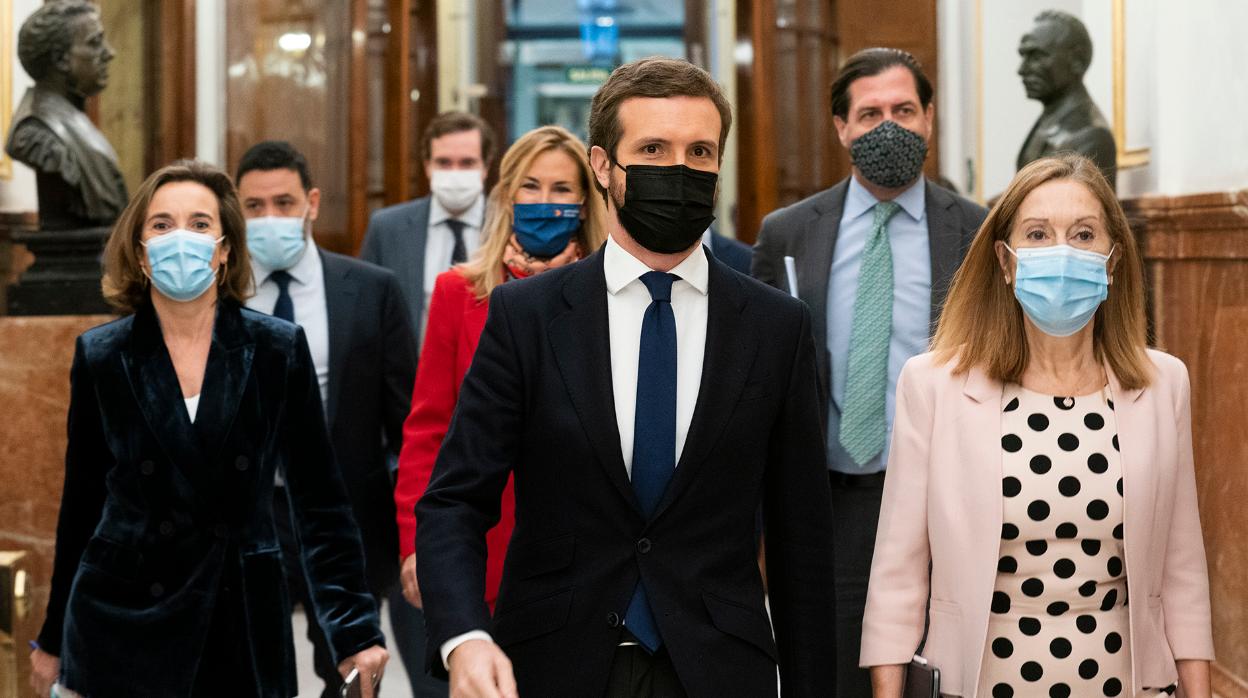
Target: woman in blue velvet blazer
[(168, 575)]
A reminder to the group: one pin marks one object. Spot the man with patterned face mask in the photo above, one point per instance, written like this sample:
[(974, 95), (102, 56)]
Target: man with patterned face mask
[(359, 333), (872, 258)]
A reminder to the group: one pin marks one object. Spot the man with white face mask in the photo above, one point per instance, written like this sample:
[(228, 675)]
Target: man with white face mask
[(357, 324), (420, 239)]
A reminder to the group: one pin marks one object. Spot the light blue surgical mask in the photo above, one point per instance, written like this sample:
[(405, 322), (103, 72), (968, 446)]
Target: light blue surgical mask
[(181, 263), (277, 242), (1060, 287)]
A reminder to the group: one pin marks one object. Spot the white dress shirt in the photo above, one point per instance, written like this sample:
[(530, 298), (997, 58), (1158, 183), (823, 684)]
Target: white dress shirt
[(307, 293), (440, 246), (627, 301), (192, 406)]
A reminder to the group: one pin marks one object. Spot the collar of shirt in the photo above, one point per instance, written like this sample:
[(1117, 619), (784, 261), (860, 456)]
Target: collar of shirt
[(303, 272), (474, 216), (622, 268), (913, 200)]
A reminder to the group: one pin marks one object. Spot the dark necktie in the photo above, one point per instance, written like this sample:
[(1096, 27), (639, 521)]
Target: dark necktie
[(654, 430), (284, 307), (459, 254)]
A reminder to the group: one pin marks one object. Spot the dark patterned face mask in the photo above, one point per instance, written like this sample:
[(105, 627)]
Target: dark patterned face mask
[(889, 155)]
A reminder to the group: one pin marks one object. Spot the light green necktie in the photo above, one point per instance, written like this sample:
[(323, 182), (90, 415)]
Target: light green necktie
[(864, 425)]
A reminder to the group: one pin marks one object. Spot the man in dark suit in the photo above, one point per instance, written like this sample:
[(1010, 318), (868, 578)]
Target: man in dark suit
[(874, 256), (422, 238), (734, 253), (357, 325), (647, 401)]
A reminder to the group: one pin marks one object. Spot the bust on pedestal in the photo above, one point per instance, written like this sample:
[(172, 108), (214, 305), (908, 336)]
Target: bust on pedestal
[(1056, 53), (81, 190)]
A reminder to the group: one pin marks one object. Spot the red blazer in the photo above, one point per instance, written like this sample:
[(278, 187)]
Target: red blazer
[(456, 319)]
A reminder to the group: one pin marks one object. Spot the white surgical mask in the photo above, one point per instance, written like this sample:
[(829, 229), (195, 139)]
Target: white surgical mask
[(456, 190)]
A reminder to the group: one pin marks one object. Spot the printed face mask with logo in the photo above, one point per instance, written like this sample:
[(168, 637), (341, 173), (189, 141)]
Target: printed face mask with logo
[(889, 155), (277, 242), (181, 263), (544, 230), (667, 208), (456, 190), (1060, 287)]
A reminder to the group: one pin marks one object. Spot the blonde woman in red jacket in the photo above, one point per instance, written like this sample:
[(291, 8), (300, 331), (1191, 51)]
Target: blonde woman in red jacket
[(540, 216)]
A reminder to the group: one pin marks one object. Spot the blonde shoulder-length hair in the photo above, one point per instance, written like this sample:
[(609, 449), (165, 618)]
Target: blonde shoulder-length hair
[(484, 270), (981, 324)]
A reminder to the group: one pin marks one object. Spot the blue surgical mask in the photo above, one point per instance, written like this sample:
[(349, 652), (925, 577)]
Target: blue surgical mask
[(181, 263), (543, 230), (276, 242), (1060, 287)]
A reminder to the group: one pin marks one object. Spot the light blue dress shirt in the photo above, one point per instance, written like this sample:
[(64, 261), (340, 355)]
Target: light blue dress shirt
[(912, 302)]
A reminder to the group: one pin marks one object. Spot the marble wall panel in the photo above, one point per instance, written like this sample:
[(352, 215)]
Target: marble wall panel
[(1196, 249), (35, 356)]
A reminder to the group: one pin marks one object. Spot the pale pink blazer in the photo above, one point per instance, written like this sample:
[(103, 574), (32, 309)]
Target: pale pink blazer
[(942, 503)]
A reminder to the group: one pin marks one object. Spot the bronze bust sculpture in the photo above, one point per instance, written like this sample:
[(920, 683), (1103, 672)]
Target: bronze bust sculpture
[(62, 46), (1056, 53)]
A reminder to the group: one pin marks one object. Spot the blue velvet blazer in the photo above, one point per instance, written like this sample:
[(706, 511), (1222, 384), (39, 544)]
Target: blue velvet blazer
[(158, 510)]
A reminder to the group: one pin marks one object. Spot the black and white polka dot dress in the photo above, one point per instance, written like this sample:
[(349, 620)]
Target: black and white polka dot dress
[(1059, 624)]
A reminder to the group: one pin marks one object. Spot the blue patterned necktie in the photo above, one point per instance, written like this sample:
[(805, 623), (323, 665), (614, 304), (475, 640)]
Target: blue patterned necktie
[(285, 307), (654, 430), (864, 425)]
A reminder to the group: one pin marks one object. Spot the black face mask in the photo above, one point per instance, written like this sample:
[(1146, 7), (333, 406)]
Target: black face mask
[(889, 155), (667, 208)]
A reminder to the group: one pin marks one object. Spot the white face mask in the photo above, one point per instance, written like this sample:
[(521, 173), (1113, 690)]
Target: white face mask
[(456, 190)]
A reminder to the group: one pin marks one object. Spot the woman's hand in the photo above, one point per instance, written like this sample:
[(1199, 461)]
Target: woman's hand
[(1194, 681), (887, 680), (411, 586), (371, 664), (44, 668)]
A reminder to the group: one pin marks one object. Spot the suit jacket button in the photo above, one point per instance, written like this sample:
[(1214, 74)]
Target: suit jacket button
[(241, 463), (221, 531), (613, 619), (157, 589), (147, 467), (643, 546), (166, 528)]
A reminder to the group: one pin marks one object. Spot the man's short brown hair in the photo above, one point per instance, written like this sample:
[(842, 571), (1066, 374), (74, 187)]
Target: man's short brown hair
[(125, 285), (457, 122), (654, 77)]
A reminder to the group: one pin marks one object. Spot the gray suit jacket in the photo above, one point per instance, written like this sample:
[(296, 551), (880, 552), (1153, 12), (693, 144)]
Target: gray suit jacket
[(396, 240), (807, 232)]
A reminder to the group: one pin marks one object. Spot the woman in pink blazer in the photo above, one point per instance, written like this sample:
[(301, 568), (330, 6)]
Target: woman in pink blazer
[(1041, 463)]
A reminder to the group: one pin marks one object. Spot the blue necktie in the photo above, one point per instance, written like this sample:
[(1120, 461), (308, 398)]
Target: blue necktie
[(285, 307), (654, 430), (459, 254)]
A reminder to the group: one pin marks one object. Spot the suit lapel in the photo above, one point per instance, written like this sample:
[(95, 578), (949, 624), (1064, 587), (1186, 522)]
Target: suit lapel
[(1137, 443), (225, 379), (815, 261), (581, 340), (724, 373), (341, 294), (415, 262), (154, 383), (944, 240)]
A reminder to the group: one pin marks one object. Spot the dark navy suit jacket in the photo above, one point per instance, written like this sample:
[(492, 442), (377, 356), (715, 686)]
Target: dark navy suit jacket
[(372, 367), (158, 510), (537, 403)]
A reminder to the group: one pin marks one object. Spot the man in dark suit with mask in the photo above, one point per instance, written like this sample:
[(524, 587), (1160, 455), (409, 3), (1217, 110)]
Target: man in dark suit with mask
[(642, 447), (874, 256), (356, 322)]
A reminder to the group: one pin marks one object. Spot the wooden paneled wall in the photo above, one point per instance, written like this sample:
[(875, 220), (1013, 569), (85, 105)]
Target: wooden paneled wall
[(1196, 254)]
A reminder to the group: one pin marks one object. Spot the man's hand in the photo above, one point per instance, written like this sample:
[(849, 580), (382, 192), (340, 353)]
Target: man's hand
[(411, 586), (371, 663), (44, 668), (479, 669)]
